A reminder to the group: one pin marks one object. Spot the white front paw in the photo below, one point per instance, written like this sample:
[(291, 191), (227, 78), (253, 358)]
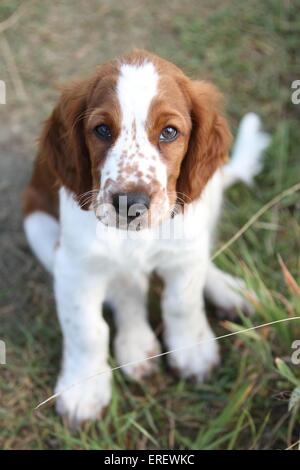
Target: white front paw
[(236, 299), (81, 398), (137, 344), (200, 354)]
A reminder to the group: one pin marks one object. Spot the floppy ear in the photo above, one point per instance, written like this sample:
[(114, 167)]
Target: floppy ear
[(209, 141), (62, 143)]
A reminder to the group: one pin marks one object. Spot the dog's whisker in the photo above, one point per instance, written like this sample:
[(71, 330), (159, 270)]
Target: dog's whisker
[(180, 196), (91, 193)]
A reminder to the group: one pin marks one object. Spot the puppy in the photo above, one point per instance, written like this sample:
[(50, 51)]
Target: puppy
[(129, 180)]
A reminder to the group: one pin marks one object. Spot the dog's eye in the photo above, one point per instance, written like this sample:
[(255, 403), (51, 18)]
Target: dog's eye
[(168, 134), (103, 131)]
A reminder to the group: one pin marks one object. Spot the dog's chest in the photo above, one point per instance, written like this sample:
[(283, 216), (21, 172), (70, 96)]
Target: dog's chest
[(89, 239), (86, 237)]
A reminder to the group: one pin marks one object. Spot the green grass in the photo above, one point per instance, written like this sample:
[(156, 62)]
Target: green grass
[(250, 50)]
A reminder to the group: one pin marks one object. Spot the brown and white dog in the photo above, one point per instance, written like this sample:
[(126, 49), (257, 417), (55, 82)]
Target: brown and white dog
[(129, 180)]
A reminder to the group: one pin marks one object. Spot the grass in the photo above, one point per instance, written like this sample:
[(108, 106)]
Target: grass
[(250, 51)]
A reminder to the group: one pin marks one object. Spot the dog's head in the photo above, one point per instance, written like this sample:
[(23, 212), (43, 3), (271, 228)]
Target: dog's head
[(135, 139)]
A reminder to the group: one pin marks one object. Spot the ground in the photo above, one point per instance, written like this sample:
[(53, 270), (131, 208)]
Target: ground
[(249, 50)]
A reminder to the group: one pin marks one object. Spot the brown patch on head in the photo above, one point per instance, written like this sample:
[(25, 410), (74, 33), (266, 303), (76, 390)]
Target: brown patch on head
[(209, 141), (203, 139), (70, 154)]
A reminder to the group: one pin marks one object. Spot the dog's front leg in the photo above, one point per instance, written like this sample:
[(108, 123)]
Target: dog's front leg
[(135, 340), (187, 331), (79, 293)]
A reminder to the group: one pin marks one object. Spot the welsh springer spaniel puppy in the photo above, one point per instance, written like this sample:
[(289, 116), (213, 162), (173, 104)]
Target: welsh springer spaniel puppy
[(129, 180)]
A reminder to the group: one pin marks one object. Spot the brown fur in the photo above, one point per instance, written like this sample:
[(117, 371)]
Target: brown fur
[(64, 157), (42, 192), (209, 142), (204, 140)]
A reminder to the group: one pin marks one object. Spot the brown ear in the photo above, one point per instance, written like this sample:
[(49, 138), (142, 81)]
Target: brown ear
[(209, 142), (62, 142)]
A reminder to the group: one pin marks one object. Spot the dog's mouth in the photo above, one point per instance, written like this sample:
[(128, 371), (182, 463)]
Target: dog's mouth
[(134, 221), (131, 211), (142, 220), (123, 223)]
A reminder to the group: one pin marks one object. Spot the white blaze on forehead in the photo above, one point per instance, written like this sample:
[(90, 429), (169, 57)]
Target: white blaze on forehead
[(133, 154), (136, 88)]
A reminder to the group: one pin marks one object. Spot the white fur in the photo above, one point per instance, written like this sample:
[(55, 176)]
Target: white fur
[(246, 160), (224, 291), (136, 87), (42, 232), (79, 292), (135, 339), (93, 263)]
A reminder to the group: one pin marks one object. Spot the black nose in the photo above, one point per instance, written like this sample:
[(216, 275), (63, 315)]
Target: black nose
[(131, 205)]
